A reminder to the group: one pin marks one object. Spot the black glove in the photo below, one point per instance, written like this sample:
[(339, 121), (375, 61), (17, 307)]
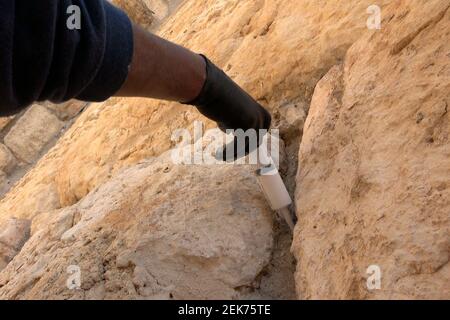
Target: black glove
[(223, 101)]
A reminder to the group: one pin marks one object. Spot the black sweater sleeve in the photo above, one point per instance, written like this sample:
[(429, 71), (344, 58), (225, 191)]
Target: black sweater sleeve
[(42, 57)]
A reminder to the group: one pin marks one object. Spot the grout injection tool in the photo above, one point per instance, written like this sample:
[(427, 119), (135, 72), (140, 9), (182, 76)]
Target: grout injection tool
[(273, 186), (267, 174)]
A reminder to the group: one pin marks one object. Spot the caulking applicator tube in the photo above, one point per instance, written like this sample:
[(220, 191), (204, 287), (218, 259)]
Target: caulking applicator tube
[(273, 186)]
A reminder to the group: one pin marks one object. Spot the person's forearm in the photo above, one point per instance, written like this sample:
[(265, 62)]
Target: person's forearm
[(163, 70)]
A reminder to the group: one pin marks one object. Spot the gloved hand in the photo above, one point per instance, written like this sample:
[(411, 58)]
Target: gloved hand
[(223, 101)]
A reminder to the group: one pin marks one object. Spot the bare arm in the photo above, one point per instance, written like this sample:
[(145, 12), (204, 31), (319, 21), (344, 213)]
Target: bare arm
[(163, 70)]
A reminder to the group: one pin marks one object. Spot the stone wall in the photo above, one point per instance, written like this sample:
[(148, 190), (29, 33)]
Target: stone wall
[(372, 179), (25, 137), (373, 193)]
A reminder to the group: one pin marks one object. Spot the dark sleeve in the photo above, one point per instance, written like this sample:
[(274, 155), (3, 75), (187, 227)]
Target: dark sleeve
[(41, 58)]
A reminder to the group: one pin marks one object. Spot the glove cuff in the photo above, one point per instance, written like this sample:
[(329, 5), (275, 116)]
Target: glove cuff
[(202, 97)]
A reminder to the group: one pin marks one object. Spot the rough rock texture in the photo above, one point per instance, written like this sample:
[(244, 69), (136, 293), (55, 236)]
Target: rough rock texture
[(7, 159), (155, 230), (13, 236), (249, 39), (4, 182), (148, 13), (32, 132), (373, 182), (151, 232), (67, 110), (138, 10), (4, 121), (277, 50)]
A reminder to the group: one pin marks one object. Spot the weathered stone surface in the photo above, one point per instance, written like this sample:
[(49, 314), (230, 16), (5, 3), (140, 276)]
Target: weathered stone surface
[(148, 13), (68, 110), (4, 121), (7, 159), (260, 44), (32, 132), (4, 182), (155, 230), (372, 186), (13, 236), (138, 11), (364, 189)]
